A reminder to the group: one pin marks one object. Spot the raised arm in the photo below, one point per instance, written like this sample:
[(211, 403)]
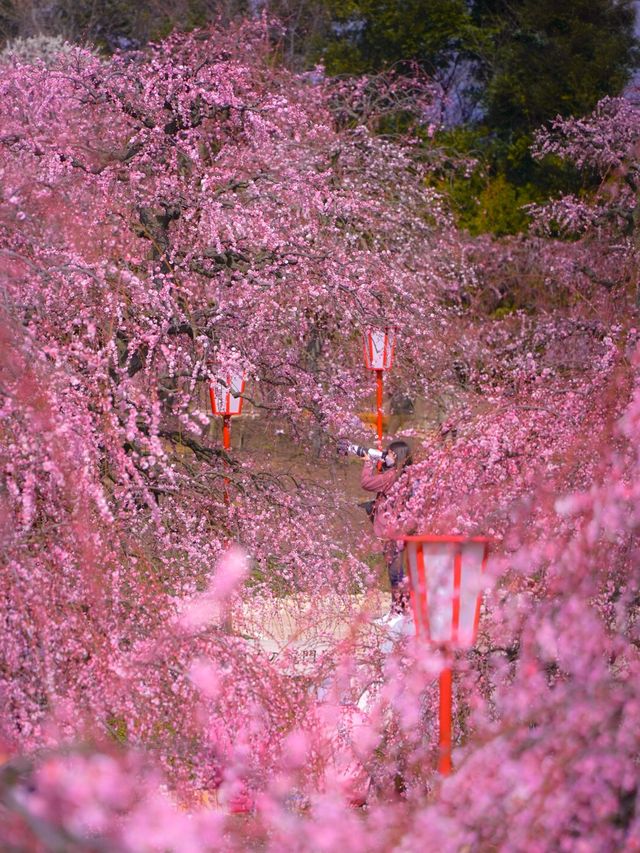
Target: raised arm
[(375, 481)]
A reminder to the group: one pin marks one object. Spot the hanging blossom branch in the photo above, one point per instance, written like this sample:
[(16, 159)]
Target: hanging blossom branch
[(403, 95)]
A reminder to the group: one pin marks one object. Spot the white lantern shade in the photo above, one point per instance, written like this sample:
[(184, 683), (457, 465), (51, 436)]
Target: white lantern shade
[(225, 394), (379, 346), (446, 581)]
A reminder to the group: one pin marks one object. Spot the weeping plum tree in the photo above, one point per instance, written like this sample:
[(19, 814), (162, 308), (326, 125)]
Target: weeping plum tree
[(167, 214), (165, 217)]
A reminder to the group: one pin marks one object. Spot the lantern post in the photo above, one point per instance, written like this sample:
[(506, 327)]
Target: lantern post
[(226, 432), (226, 401), (379, 347), (446, 585), (379, 406)]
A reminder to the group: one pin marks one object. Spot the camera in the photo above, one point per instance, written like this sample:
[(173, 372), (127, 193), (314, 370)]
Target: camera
[(373, 454)]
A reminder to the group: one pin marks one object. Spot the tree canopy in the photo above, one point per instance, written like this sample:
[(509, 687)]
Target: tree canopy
[(169, 215), (190, 630)]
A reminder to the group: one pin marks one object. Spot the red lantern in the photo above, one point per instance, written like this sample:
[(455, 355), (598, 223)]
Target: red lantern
[(379, 346), (446, 584), (226, 400), (225, 394)]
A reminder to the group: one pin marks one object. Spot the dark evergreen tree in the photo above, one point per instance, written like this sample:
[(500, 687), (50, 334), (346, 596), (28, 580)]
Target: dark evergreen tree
[(369, 35), (540, 58)]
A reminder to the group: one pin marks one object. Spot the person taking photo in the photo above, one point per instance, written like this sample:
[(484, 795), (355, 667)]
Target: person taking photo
[(395, 467)]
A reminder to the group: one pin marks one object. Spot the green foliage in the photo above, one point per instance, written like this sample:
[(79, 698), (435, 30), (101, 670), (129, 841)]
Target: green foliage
[(489, 198), (532, 60), (500, 207), (369, 35), (489, 204), (542, 58)]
